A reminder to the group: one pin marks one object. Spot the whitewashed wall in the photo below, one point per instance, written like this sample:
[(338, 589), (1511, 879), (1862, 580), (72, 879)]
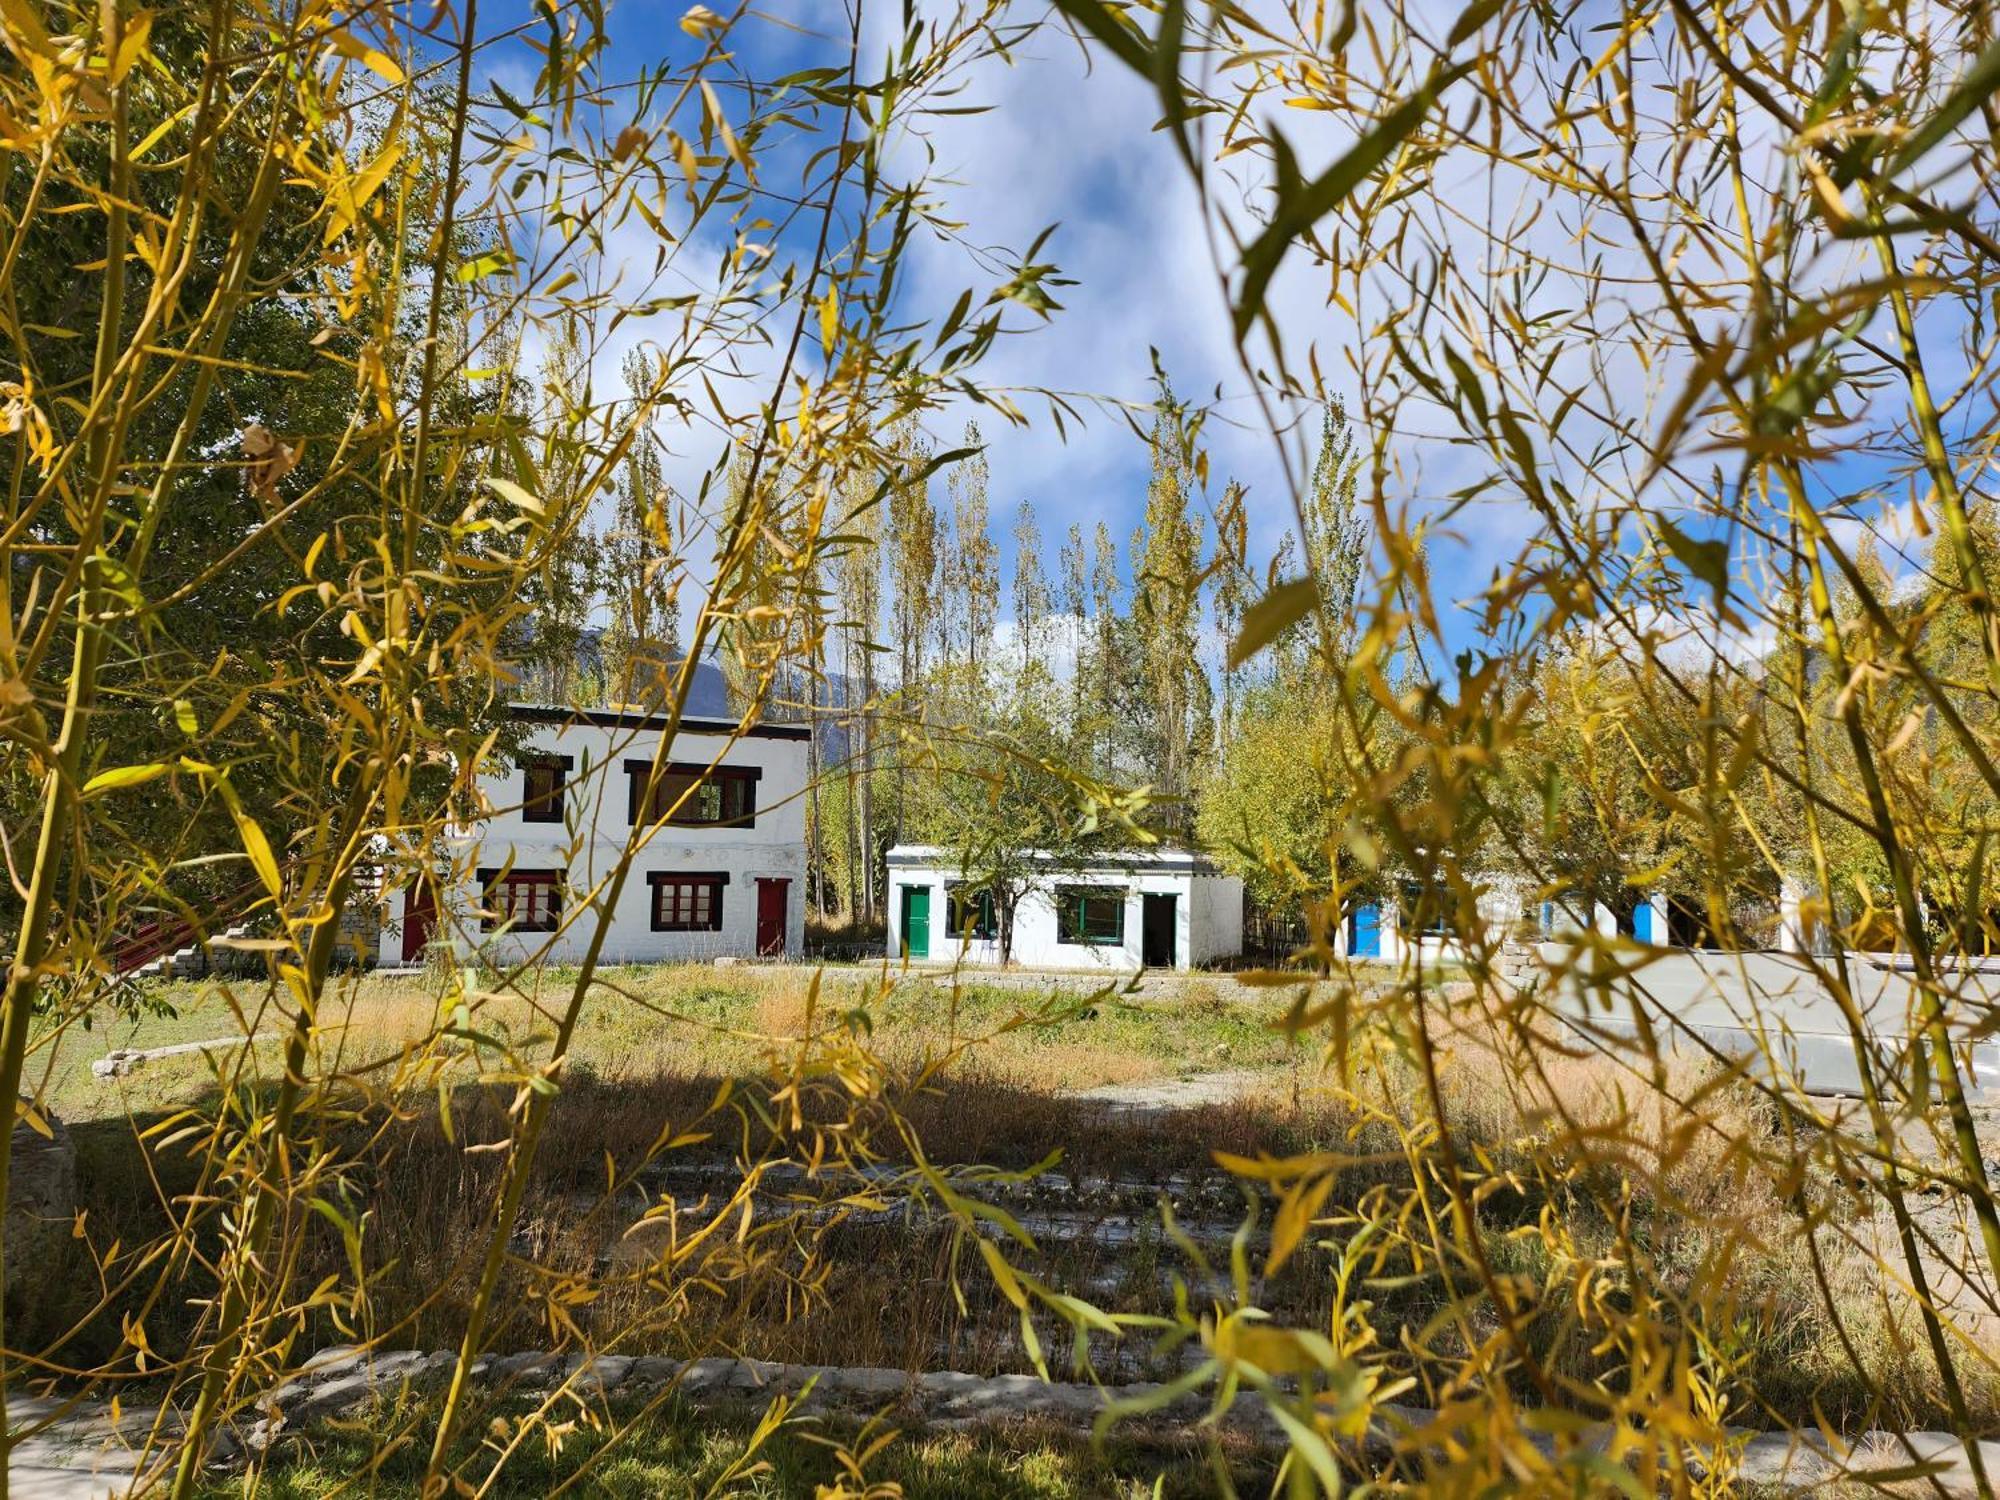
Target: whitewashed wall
[(588, 844), (1208, 912)]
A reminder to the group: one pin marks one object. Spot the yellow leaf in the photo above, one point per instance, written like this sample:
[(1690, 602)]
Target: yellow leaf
[(699, 20), (22, 29), (511, 492), (349, 45), (829, 319), (132, 39), (1295, 1215), (122, 776), (259, 849)]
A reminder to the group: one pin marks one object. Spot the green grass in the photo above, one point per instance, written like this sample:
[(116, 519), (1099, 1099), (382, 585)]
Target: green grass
[(673, 1451)]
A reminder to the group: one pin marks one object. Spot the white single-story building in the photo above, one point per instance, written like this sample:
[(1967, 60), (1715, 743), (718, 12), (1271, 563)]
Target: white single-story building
[(1165, 909), (1386, 930), (719, 870)]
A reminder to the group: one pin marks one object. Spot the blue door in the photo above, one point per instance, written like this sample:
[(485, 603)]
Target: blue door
[(1642, 921), (1364, 939)]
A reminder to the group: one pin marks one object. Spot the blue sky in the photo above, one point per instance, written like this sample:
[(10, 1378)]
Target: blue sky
[(1065, 142), (1069, 142)]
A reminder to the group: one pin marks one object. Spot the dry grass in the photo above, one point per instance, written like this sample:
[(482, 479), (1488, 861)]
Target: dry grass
[(1672, 1172)]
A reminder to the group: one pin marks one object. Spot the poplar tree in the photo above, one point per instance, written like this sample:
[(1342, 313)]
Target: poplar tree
[(972, 573), (859, 581), (1031, 588), (565, 587), (1233, 594), (1166, 605), (913, 548), (1074, 585), (1104, 635), (642, 638)]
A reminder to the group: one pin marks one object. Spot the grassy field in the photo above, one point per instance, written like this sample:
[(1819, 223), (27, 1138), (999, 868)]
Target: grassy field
[(847, 1260), (693, 1020)]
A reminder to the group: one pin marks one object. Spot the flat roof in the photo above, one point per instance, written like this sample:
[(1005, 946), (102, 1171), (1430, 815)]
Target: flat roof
[(632, 718), (1167, 861)]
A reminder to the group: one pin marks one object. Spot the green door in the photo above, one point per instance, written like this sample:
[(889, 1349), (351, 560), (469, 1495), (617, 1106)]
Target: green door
[(916, 921)]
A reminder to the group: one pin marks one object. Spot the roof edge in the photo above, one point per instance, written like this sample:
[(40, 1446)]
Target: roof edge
[(614, 718)]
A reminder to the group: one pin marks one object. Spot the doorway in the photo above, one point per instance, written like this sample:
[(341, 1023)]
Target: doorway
[(773, 897), (419, 918), (916, 921), (1364, 932), (1156, 930)]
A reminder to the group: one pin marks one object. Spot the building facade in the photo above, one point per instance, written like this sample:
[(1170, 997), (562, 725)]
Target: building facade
[(1386, 930), (1158, 910), (719, 869)]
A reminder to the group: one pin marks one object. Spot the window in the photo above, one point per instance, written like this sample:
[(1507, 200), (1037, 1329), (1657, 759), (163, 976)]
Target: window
[(1427, 911), (697, 796), (542, 779), (971, 911), (522, 900), (1093, 914), (687, 903)]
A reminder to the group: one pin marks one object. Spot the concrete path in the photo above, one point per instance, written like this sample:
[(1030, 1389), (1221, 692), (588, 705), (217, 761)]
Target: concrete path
[(1191, 1091), (1772, 1009), (81, 1452), (84, 1454)]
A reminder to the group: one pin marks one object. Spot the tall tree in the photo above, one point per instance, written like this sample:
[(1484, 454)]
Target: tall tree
[(972, 573), (913, 547), (1074, 596), (1166, 606), (1232, 595), (641, 643), (1031, 589), (1104, 641), (859, 579), (565, 587)]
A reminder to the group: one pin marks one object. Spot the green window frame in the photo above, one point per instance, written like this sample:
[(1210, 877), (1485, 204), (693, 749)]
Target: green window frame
[(1091, 915)]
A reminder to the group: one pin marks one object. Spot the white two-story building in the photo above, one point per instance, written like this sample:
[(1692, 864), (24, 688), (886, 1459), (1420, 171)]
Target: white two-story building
[(718, 852)]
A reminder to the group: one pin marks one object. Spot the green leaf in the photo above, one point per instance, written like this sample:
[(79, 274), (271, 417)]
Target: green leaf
[(1271, 616)]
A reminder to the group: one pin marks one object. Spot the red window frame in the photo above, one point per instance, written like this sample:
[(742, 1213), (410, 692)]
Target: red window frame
[(687, 901), (522, 900)]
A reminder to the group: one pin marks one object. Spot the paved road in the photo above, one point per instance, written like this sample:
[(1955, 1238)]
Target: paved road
[(1773, 1008)]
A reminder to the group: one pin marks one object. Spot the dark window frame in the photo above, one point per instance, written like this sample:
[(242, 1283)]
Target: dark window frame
[(547, 805), (661, 880), (985, 924), (737, 782), (1439, 923), (495, 917), (1073, 917)]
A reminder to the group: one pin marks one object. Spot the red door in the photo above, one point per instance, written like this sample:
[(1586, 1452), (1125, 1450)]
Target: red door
[(771, 903), (419, 917)]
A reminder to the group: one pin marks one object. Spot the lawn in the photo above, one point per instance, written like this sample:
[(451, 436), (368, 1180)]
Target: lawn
[(630, 1453), (688, 1019)]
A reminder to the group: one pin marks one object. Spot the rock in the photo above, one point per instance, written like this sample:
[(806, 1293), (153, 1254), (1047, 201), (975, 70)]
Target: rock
[(601, 1374), (41, 1197), (1783, 1458)]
